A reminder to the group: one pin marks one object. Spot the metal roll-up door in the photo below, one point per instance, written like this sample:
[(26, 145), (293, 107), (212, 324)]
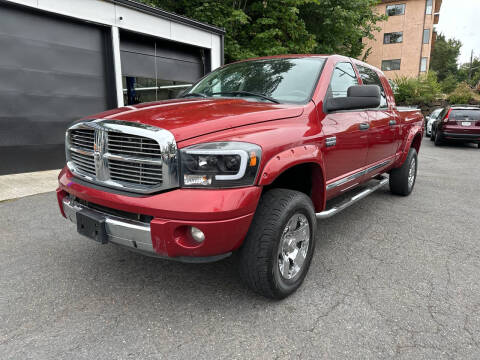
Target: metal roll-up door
[(53, 70), (156, 65)]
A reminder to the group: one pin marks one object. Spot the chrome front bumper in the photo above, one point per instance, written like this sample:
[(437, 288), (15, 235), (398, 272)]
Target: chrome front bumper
[(132, 234)]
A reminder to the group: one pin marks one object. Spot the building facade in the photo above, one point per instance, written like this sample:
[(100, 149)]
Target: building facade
[(61, 60), (403, 45)]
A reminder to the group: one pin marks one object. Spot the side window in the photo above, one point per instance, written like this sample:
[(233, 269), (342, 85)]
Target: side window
[(370, 77), (342, 78), (442, 114)]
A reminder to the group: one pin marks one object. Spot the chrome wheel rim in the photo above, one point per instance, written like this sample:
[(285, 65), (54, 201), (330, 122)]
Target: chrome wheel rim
[(293, 246), (411, 173)]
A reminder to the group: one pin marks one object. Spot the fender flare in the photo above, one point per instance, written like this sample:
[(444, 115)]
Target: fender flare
[(289, 158), (413, 132)]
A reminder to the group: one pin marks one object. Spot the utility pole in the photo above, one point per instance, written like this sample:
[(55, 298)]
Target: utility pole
[(471, 64)]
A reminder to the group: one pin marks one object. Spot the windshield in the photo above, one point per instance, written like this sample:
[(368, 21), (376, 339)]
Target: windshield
[(289, 80)]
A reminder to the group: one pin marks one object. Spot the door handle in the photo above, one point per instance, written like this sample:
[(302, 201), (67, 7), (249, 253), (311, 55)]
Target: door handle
[(392, 122), (331, 141), (364, 126)]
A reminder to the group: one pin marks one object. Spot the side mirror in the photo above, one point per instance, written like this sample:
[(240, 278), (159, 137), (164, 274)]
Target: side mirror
[(358, 97)]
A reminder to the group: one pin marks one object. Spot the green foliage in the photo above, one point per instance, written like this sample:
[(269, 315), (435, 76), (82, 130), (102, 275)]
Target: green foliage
[(444, 56), (413, 91), (339, 25), (449, 84), (270, 27), (464, 70), (463, 94)]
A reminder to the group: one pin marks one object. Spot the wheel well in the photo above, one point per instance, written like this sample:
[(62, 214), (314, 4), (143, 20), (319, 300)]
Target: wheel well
[(417, 140), (306, 178)]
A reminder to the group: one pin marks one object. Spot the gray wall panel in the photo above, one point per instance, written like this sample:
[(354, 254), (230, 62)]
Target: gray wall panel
[(53, 71), (168, 69), (177, 62), (138, 65)]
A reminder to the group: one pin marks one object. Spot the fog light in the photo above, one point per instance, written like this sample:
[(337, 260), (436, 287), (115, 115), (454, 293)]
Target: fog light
[(197, 234)]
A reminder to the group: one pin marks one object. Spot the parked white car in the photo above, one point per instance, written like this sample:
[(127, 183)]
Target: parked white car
[(429, 121)]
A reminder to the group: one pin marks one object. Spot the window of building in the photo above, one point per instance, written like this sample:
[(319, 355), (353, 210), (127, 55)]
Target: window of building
[(423, 64), (370, 77), (342, 78), (426, 36), (429, 7), (393, 10), (388, 65), (393, 37)]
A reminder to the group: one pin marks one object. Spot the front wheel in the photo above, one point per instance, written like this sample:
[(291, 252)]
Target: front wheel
[(402, 179), (279, 246)]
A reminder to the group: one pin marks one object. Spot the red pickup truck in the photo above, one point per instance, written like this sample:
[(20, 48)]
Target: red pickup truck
[(244, 162)]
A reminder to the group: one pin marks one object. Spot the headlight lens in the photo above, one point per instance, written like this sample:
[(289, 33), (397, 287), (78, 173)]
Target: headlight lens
[(220, 164)]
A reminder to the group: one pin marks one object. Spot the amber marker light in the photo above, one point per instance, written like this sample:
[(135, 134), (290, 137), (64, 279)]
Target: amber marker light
[(253, 159)]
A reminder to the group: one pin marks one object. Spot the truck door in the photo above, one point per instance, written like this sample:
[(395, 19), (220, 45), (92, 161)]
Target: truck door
[(383, 133), (345, 134)]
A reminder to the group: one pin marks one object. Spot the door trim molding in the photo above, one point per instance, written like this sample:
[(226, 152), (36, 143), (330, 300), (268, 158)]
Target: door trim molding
[(357, 174)]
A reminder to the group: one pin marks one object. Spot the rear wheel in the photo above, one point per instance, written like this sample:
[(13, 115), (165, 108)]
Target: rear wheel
[(438, 139), (279, 246), (402, 179)]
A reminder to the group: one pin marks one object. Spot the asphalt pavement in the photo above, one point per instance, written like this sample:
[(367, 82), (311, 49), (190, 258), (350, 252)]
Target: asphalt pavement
[(392, 277)]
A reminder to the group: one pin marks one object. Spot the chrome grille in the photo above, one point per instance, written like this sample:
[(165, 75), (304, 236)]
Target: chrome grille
[(143, 174), (120, 154), (84, 162), (83, 138), (132, 145)]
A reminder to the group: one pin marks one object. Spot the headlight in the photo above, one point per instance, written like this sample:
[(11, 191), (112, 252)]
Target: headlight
[(220, 164)]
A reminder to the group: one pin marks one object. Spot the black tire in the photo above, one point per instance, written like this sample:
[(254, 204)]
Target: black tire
[(399, 177), (438, 139), (259, 256), (432, 135)]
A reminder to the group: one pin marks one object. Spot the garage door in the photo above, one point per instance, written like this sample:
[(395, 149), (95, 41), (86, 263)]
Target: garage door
[(157, 69), (52, 71)]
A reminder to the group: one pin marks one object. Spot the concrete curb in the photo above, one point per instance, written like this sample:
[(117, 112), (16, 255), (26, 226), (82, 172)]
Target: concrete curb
[(20, 185)]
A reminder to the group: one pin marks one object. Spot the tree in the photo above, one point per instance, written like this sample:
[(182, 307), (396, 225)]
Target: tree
[(444, 56), (340, 25), (464, 72), (463, 94), (449, 84), (270, 27), (417, 91)]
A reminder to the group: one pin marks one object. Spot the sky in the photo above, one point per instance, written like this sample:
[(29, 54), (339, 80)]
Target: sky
[(460, 19)]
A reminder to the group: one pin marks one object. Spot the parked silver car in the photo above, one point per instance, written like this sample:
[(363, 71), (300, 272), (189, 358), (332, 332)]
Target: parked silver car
[(429, 121)]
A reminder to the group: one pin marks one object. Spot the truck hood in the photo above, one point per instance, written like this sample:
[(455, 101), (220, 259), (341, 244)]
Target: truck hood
[(188, 118)]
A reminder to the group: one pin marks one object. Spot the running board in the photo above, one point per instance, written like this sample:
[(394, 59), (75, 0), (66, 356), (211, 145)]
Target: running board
[(353, 199)]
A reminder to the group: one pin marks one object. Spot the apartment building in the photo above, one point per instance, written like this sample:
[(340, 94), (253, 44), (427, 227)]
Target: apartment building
[(403, 45)]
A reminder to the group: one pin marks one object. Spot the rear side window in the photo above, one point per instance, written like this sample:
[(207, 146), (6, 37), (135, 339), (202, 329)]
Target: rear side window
[(435, 113), (442, 115), (370, 77), (342, 78), (471, 114)]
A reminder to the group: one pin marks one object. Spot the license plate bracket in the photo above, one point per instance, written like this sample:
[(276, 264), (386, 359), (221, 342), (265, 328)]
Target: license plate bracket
[(92, 226)]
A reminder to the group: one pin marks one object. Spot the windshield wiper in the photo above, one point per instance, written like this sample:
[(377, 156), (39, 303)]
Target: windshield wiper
[(194, 94), (247, 93)]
